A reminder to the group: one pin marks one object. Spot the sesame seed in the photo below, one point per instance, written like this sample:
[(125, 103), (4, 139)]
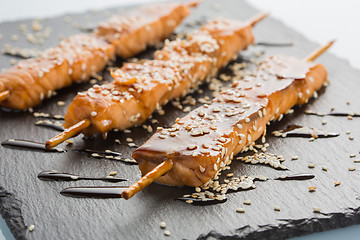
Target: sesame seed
[(312, 189), (311, 165), (357, 161), (112, 173), (31, 228), (316, 210), (69, 141), (352, 155), (60, 103), (192, 147), (277, 208), (202, 169), (352, 168), (324, 168), (294, 158), (189, 201), (337, 183), (240, 210), (323, 122), (247, 202), (162, 225), (167, 233), (351, 138), (93, 114), (247, 120), (129, 139)]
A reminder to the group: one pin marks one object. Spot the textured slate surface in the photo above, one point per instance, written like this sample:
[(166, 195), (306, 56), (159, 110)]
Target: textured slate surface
[(25, 200)]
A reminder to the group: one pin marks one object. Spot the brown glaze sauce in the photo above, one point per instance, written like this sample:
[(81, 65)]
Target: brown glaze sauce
[(25, 144), (93, 192), (304, 132), (304, 176)]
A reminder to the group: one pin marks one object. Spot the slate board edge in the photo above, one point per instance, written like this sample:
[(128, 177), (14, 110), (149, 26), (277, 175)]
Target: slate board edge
[(10, 209), (329, 221)]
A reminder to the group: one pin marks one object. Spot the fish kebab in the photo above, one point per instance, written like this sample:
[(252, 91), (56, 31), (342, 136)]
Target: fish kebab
[(139, 88), (198, 146)]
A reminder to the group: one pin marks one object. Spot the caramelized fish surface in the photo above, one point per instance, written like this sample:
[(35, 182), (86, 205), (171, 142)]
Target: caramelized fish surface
[(138, 89), (78, 57), (204, 141)]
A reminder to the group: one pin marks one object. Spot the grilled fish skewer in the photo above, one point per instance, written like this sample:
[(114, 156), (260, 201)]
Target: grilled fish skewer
[(80, 56), (195, 165), (138, 89)]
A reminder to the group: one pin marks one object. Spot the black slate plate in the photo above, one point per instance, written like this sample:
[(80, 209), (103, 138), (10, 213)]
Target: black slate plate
[(25, 200)]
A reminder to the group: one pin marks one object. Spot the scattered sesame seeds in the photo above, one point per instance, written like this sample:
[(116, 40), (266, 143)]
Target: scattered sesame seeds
[(277, 208), (31, 228), (240, 210), (247, 202)]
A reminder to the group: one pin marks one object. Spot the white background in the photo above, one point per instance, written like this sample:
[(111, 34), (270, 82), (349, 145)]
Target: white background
[(318, 20)]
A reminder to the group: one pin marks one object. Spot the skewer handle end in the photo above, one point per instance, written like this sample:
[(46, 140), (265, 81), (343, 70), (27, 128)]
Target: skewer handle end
[(147, 179)]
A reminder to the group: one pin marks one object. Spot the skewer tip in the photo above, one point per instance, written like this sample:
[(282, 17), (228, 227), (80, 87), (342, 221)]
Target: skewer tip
[(68, 133), (147, 179), (4, 95), (193, 3), (315, 54), (259, 17)]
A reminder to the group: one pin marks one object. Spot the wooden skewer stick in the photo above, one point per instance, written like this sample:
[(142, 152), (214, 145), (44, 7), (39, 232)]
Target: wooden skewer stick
[(68, 133), (146, 180), (254, 20), (319, 51), (4, 95)]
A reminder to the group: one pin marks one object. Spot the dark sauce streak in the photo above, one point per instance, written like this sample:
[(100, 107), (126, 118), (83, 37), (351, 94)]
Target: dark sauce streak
[(273, 44), (19, 55), (57, 176), (93, 192), (109, 155), (25, 144), (343, 114), (304, 132), (50, 125), (88, 29), (333, 113), (296, 177), (200, 202)]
